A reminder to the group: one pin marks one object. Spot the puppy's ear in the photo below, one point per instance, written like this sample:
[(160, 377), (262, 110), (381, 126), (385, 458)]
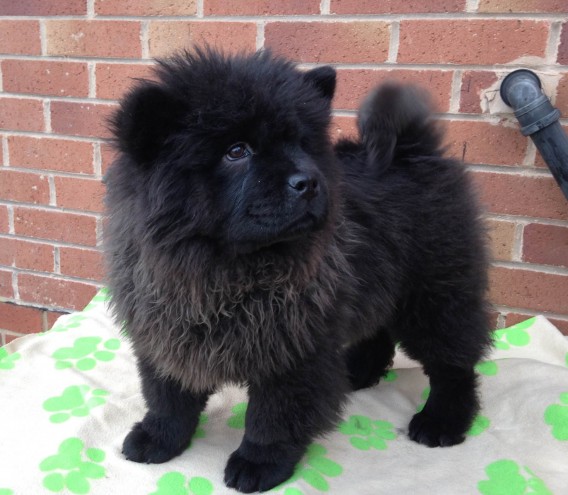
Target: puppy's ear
[(148, 115), (323, 78)]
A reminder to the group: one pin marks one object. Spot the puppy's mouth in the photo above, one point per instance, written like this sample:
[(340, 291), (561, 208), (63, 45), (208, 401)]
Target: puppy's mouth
[(301, 227)]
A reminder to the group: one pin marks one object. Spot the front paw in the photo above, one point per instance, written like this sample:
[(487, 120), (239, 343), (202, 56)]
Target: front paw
[(433, 431), (249, 476), (149, 443)]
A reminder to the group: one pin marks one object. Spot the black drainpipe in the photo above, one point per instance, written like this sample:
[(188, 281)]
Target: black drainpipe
[(522, 91)]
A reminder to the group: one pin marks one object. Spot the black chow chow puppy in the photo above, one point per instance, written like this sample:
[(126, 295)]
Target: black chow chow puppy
[(243, 247)]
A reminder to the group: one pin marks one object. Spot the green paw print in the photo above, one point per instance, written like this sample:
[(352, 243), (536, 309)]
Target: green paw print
[(513, 336), (8, 361), (487, 368), (200, 431), (81, 352), (237, 420), (175, 483), (313, 471), (73, 472), (76, 400), (556, 415), (506, 478), (480, 424), (366, 434), (391, 376)]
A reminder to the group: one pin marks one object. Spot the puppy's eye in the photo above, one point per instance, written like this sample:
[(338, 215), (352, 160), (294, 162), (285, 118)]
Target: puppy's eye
[(238, 151)]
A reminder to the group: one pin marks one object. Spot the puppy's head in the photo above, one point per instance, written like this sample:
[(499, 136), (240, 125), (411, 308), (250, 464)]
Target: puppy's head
[(234, 150)]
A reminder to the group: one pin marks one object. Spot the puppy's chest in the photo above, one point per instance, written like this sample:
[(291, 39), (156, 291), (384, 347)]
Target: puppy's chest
[(234, 338)]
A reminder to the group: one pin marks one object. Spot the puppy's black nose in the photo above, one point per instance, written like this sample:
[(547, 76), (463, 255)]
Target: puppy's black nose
[(304, 185)]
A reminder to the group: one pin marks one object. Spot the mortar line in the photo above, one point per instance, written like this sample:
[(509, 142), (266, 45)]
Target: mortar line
[(553, 42), (394, 42), (455, 92), (5, 151), (15, 288), (260, 35), (52, 191), (517, 253), (47, 115), (91, 69), (11, 228)]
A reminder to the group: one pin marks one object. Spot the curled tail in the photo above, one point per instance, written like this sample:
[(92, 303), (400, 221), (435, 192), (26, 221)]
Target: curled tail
[(395, 124)]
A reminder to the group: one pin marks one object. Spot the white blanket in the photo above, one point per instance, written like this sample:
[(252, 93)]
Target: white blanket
[(69, 396)]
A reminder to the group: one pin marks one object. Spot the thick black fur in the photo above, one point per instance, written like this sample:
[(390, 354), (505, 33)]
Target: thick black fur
[(243, 247)]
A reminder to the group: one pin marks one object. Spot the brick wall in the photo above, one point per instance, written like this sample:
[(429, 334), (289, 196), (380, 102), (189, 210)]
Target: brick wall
[(64, 64)]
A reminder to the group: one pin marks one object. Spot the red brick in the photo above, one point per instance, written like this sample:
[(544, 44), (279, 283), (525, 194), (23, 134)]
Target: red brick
[(4, 224), (27, 255), (20, 319), (93, 38), (514, 318), (340, 42), (511, 194), (354, 84), (537, 291), (52, 154), (563, 46), (55, 292), (20, 37), (484, 42), (517, 6), (145, 7), (21, 114), (562, 96), (24, 187), (481, 142), (473, 84), (113, 80), (108, 155), (546, 244), (6, 284), (81, 119), (261, 7), (55, 225), (165, 37), (46, 78), (501, 235), (83, 263), (43, 8), (395, 6), (79, 193), (343, 127)]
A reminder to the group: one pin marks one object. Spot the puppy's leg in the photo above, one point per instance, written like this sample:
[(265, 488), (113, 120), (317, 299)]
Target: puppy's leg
[(450, 408), (284, 415), (369, 360), (169, 424), (448, 345)]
